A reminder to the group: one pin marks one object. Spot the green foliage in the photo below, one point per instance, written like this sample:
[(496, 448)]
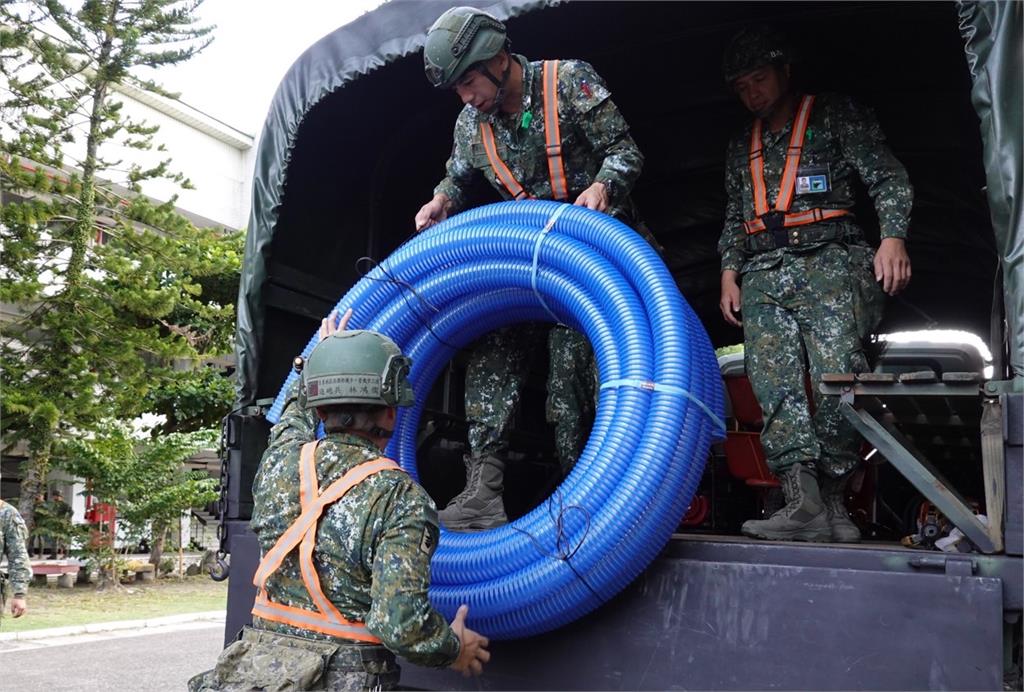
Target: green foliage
[(115, 291), (145, 479)]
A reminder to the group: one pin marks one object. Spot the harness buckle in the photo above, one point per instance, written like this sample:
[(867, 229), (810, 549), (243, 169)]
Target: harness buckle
[(774, 224)]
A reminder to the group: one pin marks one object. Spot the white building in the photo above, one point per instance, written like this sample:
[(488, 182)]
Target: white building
[(218, 160)]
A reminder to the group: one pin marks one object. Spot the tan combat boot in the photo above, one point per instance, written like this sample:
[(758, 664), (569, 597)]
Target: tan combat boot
[(803, 517), (833, 496), (480, 505)]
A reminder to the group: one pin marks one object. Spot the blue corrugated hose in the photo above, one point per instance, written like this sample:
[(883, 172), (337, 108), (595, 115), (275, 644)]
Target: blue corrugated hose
[(660, 405)]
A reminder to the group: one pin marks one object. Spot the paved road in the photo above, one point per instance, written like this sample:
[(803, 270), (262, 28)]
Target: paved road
[(158, 658)]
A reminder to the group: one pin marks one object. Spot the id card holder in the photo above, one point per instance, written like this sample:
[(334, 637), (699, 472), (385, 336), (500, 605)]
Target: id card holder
[(813, 180)]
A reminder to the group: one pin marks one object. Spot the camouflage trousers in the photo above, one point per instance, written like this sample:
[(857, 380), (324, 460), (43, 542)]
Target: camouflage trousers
[(497, 372), (804, 304), (271, 661)]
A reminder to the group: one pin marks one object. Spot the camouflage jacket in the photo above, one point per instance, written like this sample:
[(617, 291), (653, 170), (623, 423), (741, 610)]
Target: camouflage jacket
[(373, 547), (847, 138), (13, 536), (596, 142)]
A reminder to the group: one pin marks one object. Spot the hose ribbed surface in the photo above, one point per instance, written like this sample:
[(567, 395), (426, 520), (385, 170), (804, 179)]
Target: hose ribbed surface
[(647, 448)]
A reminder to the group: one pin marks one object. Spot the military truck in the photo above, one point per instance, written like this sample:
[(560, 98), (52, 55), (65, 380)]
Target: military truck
[(353, 144)]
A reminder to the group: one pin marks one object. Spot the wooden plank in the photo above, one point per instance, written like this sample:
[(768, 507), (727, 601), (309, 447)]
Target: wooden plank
[(919, 377), (993, 467), (839, 378), (877, 377), (961, 378)]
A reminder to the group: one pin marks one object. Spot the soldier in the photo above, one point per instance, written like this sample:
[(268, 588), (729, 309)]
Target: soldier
[(13, 535), (346, 538), (809, 281), (546, 130)]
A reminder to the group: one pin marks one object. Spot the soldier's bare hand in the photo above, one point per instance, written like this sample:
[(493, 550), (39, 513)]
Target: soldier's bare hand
[(433, 212), (18, 606), (473, 653), (594, 197), (327, 325), (892, 265), (730, 303)]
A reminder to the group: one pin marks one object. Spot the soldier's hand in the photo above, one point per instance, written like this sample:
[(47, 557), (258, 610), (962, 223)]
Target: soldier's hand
[(729, 303), (594, 197), (433, 212), (327, 325), (18, 606), (892, 265), (473, 653)]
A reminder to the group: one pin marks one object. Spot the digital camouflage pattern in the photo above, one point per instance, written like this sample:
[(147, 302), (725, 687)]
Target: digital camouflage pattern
[(596, 144), (821, 295), (373, 546), (804, 301), (497, 371), (262, 660), (572, 392), (842, 135), (13, 539)]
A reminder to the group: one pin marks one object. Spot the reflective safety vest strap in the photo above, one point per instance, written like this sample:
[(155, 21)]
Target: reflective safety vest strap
[(800, 218), (552, 144), (327, 619), (500, 169), (787, 185), (553, 133)]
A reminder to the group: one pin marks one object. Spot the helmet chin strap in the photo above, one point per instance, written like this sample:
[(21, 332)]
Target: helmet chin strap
[(499, 96)]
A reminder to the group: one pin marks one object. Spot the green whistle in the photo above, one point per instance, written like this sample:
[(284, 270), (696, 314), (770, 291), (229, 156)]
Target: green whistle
[(527, 119)]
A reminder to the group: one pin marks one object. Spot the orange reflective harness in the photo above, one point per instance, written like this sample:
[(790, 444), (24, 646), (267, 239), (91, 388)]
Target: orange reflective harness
[(302, 533), (780, 217), (552, 143)]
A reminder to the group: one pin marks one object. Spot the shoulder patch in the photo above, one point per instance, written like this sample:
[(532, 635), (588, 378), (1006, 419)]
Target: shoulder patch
[(427, 542)]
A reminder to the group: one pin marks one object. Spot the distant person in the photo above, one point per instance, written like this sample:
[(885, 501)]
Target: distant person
[(13, 536), (504, 136), (346, 538), (808, 276)]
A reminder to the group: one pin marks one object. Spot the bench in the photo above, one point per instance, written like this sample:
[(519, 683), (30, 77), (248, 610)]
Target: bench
[(63, 572)]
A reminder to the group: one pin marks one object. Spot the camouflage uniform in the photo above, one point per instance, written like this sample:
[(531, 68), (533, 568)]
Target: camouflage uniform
[(597, 146), (818, 296), (13, 536), (373, 551)]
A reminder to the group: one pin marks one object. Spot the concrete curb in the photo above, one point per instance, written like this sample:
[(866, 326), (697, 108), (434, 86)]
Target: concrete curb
[(91, 628)]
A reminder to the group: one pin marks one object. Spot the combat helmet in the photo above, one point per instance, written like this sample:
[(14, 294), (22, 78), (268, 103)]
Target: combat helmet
[(458, 40), (356, 367), (753, 48)]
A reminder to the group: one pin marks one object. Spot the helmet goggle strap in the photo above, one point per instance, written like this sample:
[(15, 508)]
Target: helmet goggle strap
[(395, 377), (434, 72)]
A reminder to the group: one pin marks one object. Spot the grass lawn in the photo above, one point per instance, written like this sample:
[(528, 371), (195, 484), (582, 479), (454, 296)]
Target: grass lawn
[(53, 607)]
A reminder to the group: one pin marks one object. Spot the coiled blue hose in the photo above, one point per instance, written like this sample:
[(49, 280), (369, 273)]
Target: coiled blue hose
[(660, 403)]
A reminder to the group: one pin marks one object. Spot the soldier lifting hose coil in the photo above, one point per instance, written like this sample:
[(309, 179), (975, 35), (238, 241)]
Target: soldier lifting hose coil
[(660, 406)]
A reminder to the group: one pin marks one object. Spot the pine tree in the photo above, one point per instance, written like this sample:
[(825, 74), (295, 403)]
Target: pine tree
[(107, 286)]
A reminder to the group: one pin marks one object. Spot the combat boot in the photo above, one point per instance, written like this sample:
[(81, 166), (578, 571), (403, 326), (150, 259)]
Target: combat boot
[(480, 505), (833, 497), (803, 517)]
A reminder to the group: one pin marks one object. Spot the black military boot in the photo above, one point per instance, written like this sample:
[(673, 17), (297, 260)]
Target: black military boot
[(833, 496), (803, 518), (479, 506)]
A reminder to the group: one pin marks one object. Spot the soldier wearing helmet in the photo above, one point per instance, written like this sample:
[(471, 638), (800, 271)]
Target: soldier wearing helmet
[(810, 283), (346, 537), (578, 150)]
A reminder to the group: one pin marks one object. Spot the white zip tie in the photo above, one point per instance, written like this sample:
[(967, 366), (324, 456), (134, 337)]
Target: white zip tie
[(650, 386), (536, 255)]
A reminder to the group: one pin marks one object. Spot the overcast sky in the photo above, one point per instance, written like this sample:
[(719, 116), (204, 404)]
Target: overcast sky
[(255, 43)]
